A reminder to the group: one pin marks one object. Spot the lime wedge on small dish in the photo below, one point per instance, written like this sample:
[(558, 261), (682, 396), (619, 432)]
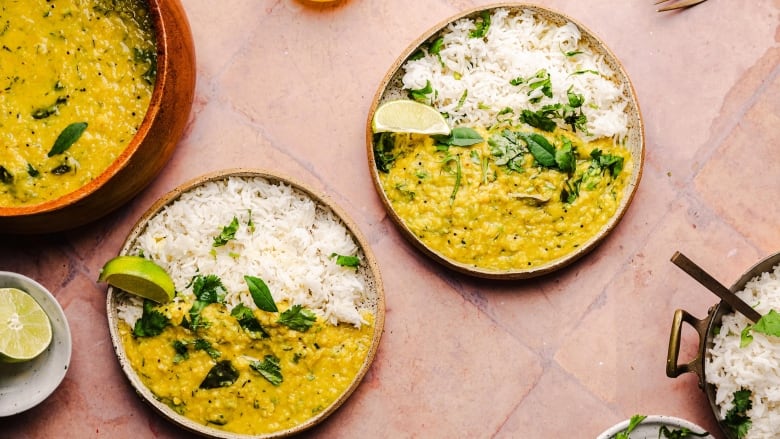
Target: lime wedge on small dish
[(25, 330), (405, 116), (139, 276)]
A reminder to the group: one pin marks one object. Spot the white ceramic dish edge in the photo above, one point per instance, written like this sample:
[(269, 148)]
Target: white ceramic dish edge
[(648, 428)]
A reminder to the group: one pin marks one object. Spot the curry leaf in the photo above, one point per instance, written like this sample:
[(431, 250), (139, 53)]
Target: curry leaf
[(261, 294), (67, 138), (542, 150), (223, 374), (460, 136)]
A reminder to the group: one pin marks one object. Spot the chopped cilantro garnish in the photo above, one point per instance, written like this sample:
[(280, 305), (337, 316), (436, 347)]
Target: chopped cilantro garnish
[(228, 232), (421, 94), (269, 368), (207, 290), (297, 318), (737, 421), (482, 25), (247, 320), (346, 261), (152, 321), (632, 424)]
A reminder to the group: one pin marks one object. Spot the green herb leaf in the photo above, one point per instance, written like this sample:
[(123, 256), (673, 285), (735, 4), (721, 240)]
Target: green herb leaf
[(679, 433), (542, 119), (247, 320), (745, 337), (182, 353), (421, 94), (205, 345), (261, 294), (482, 26), (459, 136), (507, 151), (564, 156), (223, 374), (737, 421), (228, 233), (67, 138), (768, 324), (346, 261), (632, 424), (607, 162), (207, 290), (540, 81), (383, 151), (43, 113), (542, 150), (458, 173), (436, 46), (6, 176), (297, 318), (152, 321), (269, 368), (31, 171)]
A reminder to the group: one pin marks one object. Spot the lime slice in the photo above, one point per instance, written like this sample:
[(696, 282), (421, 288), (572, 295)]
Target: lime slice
[(404, 116), (25, 330), (139, 276)]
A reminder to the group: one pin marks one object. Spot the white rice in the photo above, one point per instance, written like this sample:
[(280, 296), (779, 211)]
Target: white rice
[(755, 367), (290, 248), (517, 44)]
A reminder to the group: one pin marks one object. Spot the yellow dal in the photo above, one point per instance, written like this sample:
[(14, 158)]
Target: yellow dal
[(317, 367), (492, 224), (76, 51)]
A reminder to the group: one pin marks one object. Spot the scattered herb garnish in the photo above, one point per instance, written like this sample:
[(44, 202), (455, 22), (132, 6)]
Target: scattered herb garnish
[(768, 324), (152, 321), (43, 113), (148, 56), (67, 138), (261, 294), (269, 368), (228, 232), (31, 171), (459, 136), (346, 261), (539, 82), (507, 150), (482, 25), (383, 151), (207, 290), (737, 421), (542, 119), (679, 433), (182, 353), (542, 150), (462, 99), (632, 424), (250, 224), (458, 172), (223, 374), (297, 318), (421, 94), (247, 320), (205, 345)]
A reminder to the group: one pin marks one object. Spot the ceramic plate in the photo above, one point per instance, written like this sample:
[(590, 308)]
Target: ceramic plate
[(649, 428), (368, 272), (391, 88), (25, 385)]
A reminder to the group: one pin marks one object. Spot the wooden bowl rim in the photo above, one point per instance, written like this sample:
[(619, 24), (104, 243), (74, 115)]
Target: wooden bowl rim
[(637, 151), (122, 160), (322, 201)]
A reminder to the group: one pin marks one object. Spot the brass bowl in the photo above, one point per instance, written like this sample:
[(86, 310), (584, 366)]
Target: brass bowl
[(388, 90), (706, 330), (148, 151), (369, 273)]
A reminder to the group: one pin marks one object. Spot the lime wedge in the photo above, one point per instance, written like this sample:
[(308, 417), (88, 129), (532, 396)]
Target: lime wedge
[(404, 116), (25, 330), (139, 276)]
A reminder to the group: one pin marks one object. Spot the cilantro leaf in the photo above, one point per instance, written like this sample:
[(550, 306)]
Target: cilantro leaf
[(182, 353), (261, 295), (542, 119), (269, 368), (769, 324), (540, 82), (228, 233), (297, 318), (205, 345), (346, 261), (542, 150), (207, 289), (745, 337), (421, 94), (737, 421), (632, 424), (564, 157), (482, 25), (223, 374), (679, 433), (507, 150), (383, 151), (247, 320), (152, 321)]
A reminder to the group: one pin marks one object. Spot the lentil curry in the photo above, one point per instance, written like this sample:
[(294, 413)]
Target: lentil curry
[(513, 197), (77, 79)]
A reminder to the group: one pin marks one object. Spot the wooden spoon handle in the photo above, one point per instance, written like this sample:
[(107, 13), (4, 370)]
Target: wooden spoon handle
[(716, 287)]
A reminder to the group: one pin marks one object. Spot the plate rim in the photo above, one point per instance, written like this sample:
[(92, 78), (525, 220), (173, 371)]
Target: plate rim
[(61, 334), (322, 200), (655, 421), (555, 264)]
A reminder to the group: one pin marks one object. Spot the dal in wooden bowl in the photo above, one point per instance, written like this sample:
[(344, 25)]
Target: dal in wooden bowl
[(546, 148), (233, 368), (96, 118)]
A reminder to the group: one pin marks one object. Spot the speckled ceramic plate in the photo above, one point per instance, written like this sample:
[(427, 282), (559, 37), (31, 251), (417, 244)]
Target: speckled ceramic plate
[(25, 385), (649, 428), (390, 89), (368, 271)]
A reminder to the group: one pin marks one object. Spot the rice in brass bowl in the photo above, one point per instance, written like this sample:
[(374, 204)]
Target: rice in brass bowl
[(546, 148), (67, 188), (236, 369)]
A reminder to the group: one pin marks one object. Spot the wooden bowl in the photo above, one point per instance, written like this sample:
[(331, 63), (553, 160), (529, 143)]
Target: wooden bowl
[(368, 272), (389, 90), (146, 154)]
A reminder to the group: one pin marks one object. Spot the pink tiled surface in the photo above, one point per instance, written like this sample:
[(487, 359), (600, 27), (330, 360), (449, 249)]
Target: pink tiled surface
[(286, 86)]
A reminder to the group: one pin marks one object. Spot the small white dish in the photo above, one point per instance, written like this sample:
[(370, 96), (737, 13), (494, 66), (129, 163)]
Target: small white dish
[(25, 385), (650, 426)]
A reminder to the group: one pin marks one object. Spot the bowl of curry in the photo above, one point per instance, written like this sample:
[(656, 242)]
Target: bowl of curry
[(278, 311), (95, 96), (545, 149)]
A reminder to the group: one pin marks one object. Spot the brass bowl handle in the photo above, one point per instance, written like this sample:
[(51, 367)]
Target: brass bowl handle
[(673, 368)]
